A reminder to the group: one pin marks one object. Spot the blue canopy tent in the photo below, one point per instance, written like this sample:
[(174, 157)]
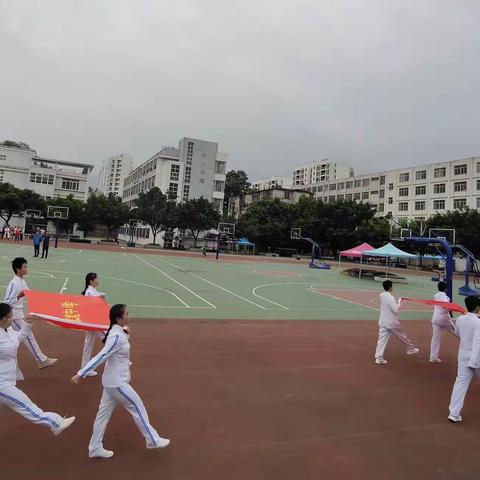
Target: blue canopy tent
[(245, 244), (387, 251)]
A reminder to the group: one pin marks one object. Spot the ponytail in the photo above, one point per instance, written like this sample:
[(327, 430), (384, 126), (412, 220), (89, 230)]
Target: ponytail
[(89, 278), (116, 312)]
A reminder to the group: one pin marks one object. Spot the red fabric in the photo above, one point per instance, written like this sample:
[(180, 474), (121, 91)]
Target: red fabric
[(69, 311), (452, 307)]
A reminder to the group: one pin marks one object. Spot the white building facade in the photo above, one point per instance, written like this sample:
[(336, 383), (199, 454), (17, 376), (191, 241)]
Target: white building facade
[(48, 177), (413, 192), (113, 173), (320, 171), (272, 182)]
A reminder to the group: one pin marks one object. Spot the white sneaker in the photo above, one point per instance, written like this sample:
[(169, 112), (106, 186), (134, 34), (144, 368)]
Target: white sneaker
[(92, 373), (64, 424), (435, 360), (413, 351), (454, 419), (162, 443), (47, 363), (102, 453), (380, 361)]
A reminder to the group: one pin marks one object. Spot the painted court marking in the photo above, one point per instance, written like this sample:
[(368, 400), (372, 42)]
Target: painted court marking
[(64, 287)]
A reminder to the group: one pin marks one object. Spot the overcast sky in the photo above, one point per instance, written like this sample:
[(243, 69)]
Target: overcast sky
[(376, 84)]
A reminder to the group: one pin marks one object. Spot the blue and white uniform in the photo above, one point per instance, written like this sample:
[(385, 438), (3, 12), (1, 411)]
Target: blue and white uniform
[(116, 389), (10, 395), (17, 285), (90, 337)]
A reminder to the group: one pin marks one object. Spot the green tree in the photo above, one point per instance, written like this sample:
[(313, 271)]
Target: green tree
[(197, 215), (75, 209), (14, 201), (151, 208), (11, 143), (236, 185), (88, 218), (111, 212)]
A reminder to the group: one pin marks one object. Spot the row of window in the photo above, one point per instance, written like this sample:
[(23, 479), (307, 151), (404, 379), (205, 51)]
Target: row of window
[(146, 184), (136, 232), (141, 171), (44, 178), (175, 172)]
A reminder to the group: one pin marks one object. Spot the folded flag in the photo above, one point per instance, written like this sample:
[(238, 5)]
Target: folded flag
[(69, 311), (451, 307)]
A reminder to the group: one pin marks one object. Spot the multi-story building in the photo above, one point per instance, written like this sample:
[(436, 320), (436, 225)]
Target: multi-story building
[(113, 173), (286, 195), (195, 169), (271, 182), (48, 177), (320, 171), (412, 192)]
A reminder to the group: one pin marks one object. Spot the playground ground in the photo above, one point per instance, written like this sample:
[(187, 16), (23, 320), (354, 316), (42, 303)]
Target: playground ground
[(234, 369)]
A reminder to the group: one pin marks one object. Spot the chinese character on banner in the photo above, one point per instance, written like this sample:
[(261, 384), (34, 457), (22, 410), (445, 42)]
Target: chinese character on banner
[(69, 311)]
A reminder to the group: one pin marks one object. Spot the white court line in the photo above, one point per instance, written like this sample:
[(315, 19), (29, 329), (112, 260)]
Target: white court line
[(168, 306), (312, 289), (214, 284), (267, 299), (174, 280), (79, 252), (64, 285)]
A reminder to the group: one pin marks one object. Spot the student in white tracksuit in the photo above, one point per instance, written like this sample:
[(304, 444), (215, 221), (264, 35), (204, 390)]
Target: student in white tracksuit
[(441, 320), (116, 386), (91, 283), (10, 395), (467, 328), (389, 324), (14, 297)]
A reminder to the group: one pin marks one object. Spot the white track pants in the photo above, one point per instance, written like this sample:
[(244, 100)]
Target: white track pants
[(128, 397), (437, 331), (90, 338), (14, 398), (384, 335), (30, 342), (462, 382)]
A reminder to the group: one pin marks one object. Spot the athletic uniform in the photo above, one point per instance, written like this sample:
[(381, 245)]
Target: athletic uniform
[(116, 389), (441, 320), (17, 285), (90, 337), (10, 395)]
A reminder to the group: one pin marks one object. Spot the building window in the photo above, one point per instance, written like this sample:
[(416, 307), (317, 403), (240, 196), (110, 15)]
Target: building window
[(403, 192), (364, 195), (220, 167), (288, 195), (460, 169), (3, 157), (390, 186), (1, 175), (382, 193), (188, 174), (439, 188), (358, 183), (459, 203), (365, 182), (403, 206), (459, 186), (340, 197), (478, 184), (218, 186), (440, 172), (349, 185), (381, 207), (390, 200), (404, 177), (478, 202), (374, 179), (348, 197), (333, 186), (478, 167), (356, 196), (421, 175), (44, 178), (420, 205), (175, 172), (341, 185), (421, 190), (70, 184), (186, 192), (172, 191), (382, 180), (320, 188), (439, 204), (331, 199)]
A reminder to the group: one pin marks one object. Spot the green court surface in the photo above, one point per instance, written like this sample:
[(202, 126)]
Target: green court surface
[(193, 287)]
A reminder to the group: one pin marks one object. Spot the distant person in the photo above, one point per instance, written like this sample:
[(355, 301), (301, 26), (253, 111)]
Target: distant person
[(468, 329), (7, 232), (441, 320), (45, 244), (37, 240), (14, 297), (389, 323), (21, 234), (204, 250)]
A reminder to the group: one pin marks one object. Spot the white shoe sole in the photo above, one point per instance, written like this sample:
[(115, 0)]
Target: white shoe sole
[(164, 444)]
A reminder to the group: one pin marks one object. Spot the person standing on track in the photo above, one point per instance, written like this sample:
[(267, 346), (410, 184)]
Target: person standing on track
[(116, 386), (10, 395), (37, 240), (441, 320), (45, 244), (14, 297), (467, 328), (389, 324), (91, 283)]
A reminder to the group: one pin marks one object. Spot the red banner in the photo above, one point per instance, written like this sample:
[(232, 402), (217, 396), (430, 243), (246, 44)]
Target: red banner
[(69, 311), (451, 307)]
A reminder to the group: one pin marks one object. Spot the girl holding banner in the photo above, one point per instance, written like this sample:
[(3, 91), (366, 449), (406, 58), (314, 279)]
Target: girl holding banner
[(10, 395), (116, 386)]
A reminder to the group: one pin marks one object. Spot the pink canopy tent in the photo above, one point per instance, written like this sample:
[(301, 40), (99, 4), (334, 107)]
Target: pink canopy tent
[(356, 251)]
